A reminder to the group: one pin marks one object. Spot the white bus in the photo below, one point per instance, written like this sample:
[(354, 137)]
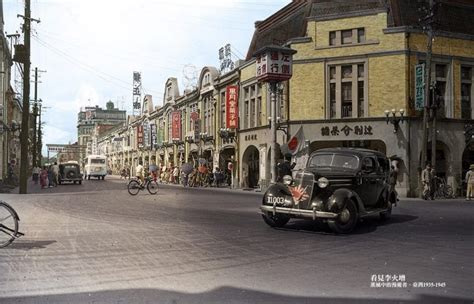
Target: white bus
[(96, 166)]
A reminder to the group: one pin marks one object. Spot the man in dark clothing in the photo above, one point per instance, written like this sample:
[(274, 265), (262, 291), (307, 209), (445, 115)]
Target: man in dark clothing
[(285, 167)]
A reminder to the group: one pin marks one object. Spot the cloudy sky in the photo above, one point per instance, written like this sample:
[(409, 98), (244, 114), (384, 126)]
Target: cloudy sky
[(90, 48)]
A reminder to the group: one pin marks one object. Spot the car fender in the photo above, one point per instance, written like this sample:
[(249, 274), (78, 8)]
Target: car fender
[(275, 190), (336, 201)]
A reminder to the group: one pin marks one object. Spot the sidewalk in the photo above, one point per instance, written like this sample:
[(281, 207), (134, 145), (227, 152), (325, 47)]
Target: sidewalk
[(223, 189)]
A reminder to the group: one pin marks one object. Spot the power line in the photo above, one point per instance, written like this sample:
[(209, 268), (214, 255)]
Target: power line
[(83, 66)]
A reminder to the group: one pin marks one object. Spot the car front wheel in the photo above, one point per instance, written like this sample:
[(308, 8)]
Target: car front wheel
[(277, 220), (346, 219)]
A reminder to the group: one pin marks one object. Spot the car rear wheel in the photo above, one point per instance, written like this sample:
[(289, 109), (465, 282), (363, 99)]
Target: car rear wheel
[(277, 220), (346, 219)]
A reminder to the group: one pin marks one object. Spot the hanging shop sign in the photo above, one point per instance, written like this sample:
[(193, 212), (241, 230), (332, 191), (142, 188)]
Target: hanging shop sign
[(160, 137), (274, 63), (232, 107), (419, 87), (140, 136), (176, 125), (153, 136), (146, 134)]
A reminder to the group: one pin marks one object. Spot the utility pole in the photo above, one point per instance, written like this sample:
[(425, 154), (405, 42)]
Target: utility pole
[(24, 135), (35, 113), (40, 140), (36, 130), (427, 27), (26, 101)]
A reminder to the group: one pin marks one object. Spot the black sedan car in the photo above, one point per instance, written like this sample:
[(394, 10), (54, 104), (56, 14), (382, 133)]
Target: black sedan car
[(70, 172), (338, 186)]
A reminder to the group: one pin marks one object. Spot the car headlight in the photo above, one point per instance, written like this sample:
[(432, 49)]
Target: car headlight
[(287, 180), (323, 182)]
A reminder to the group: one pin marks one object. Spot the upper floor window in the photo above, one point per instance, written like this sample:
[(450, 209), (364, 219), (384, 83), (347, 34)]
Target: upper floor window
[(347, 96), (252, 106), (345, 37), (467, 93), (192, 108)]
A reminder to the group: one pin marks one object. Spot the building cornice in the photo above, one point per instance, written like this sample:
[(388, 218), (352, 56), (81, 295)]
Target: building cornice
[(409, 29)]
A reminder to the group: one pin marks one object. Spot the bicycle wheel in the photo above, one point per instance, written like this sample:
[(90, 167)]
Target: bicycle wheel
[(133, 187), (448, 191), (152, 187), (8, 225)]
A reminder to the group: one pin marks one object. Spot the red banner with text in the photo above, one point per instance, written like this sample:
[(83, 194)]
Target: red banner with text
[(176, 125), (232, 107)]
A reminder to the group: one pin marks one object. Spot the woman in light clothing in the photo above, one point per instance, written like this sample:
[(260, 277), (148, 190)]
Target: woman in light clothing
[(470, 183)]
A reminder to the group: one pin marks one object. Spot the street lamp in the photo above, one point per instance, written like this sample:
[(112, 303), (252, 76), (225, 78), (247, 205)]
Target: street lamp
[(228, 135), (273, 65), (393, 119)]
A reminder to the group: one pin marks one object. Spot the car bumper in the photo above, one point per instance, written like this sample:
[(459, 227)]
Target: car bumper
[(314, 214)]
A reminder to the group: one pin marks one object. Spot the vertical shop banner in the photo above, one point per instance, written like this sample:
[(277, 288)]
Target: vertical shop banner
[(140, 136), (146, 134), (153, 139), (176, 125), (419, 87), (160, 137), (196, 122), (232, 107)]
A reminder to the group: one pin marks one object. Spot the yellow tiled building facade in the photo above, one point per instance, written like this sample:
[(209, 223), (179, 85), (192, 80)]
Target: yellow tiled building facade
[(355, 60)]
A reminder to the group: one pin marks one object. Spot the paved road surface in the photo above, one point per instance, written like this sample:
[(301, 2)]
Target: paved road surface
[(94, 243)]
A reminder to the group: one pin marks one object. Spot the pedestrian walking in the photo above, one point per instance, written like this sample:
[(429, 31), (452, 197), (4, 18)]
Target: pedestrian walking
[(427, 182), (55, 170), (176, 175), (470, 183), (285, 167), (50, 176), (44, 178), (217, 176), (36, 172), (392, 178)]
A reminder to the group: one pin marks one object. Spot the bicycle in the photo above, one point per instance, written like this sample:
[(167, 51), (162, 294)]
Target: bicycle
[(442, 189), (8, 224), (134, 186)]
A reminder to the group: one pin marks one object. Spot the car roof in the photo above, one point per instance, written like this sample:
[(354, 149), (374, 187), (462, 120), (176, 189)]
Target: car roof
[(354, 151)]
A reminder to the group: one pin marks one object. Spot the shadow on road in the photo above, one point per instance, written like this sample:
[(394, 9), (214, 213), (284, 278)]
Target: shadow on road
[(28, 245), (219, 295), (367, 225)]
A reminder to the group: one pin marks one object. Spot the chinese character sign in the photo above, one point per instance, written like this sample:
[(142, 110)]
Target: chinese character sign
[(137, 90), (419, 87), (274, 65), (153, 139), (160, 137), (232, 107), (140, 136), (146, 134), (176, 125)]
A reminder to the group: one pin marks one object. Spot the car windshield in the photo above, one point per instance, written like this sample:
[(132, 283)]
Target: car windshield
[(97, 161), (69, 167), (334, 161)]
